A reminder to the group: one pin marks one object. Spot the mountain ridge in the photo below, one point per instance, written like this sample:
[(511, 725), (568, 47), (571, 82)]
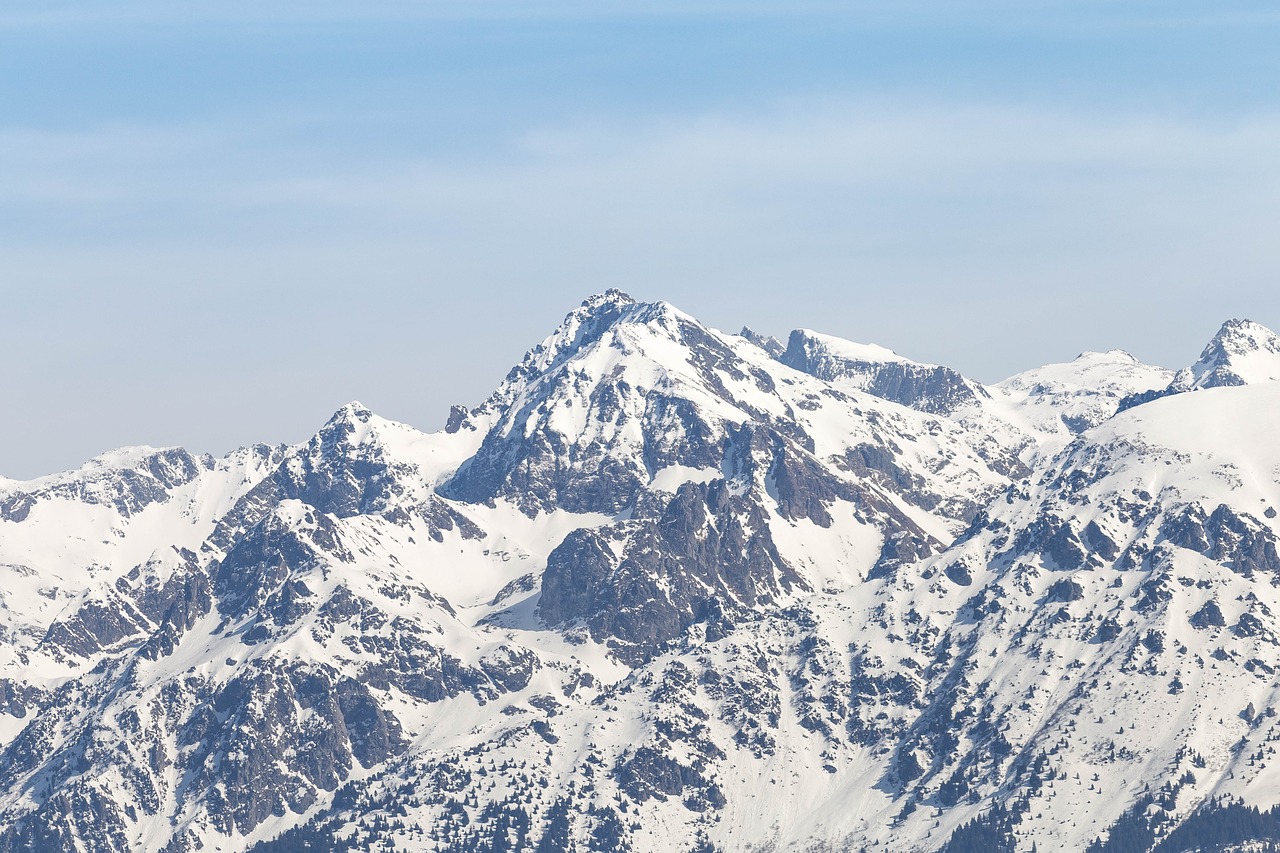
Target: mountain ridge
[(664, 590)]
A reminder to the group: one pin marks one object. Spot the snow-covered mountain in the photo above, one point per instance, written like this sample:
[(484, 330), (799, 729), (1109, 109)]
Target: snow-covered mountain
[(1242, 353), (669, 589)]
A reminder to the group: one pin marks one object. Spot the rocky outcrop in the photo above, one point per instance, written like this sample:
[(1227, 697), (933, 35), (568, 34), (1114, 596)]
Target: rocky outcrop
[(706, 554), (925, 387)]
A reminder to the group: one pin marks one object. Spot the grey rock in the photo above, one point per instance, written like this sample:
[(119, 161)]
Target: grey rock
[(768, 343), (926, 388), (705, 544)]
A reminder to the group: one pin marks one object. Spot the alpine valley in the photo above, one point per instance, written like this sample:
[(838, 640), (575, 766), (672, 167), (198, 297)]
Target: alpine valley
[(671, 589)]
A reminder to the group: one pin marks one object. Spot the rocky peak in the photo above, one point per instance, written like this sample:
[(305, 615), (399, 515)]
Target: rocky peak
[(768, 343), (356, 463), (881, 372), (611, 297), (620, 390), (350, 425), (355, 431), (1243, 336), (353, 412), (1241, 353), (580, 330)]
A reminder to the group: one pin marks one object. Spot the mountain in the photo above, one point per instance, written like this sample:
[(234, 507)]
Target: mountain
[(730, 480), (1111, 634), (668, 589), (1241, 353), (1058, 401), (881, 372), (1029, 413)]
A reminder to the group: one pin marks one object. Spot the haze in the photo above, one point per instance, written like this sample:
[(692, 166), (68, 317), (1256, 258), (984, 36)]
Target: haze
[(220, 224)]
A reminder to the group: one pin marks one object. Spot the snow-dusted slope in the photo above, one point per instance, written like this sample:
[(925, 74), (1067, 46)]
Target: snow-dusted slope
[(86, 555), (1057, 401), (1103, 631), (1113, 622), (1031, 414), (667, 589)]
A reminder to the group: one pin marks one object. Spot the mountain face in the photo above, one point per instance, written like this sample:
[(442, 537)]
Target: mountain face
[(881, 372), (1242, 353), (1058, 401), (669, 589)]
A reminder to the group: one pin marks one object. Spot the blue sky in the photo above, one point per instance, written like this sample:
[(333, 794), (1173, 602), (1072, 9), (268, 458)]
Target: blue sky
[(222, 221)]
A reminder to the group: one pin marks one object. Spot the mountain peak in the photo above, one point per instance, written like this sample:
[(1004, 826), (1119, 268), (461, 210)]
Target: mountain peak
[(612, 297), (768, 343), (1241, 353), (1111, 355), (352, 425), (355, 411), (1242, 337), (596, 319)]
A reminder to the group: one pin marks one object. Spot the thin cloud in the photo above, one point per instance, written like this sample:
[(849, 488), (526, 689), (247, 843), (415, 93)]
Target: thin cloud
[(850, 158), (1085, 14), (242, 254)]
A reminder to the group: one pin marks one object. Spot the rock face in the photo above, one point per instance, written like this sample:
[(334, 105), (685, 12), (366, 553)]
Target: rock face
[(668, 589), (768, 343), (706, 555), (881, 372)]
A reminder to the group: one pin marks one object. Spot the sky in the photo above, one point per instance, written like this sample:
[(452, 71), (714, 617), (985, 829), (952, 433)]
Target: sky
[(221, 221)]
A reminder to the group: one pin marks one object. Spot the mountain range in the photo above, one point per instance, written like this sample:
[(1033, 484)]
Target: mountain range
[(670, 589)]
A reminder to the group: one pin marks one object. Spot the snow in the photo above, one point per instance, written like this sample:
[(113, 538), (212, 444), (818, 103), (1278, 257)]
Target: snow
[(672, 477), (1045, 401), (1214, 431), (869, 353)]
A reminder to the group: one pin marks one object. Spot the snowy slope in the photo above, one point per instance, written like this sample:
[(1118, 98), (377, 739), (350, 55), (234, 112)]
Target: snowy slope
[(1031, 414), (1119, 622), (82, 552), (1057, 401)]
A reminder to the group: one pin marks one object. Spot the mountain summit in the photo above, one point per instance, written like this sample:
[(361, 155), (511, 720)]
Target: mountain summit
[(1241, 353)]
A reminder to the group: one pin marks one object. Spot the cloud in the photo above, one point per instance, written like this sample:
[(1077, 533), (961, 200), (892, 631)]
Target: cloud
[(899, 179)]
